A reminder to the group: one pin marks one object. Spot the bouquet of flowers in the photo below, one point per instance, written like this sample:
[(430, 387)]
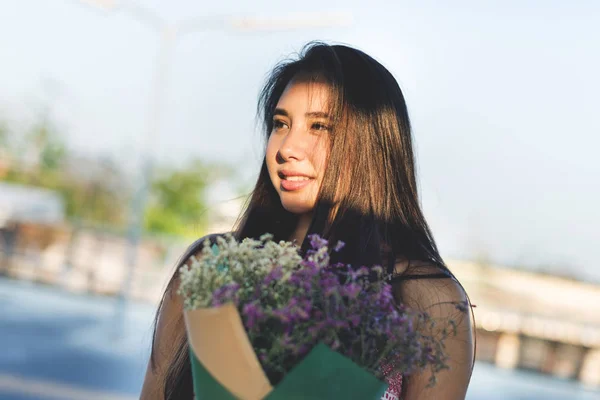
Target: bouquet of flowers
[(265, 323)]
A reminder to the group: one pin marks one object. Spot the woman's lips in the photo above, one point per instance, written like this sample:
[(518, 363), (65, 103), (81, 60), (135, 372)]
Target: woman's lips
[(293, 183)]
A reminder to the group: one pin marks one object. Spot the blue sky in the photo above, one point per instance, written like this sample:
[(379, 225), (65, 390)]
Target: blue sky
[(503, 97)]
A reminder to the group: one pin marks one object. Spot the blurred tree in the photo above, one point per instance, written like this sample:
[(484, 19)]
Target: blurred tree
[(51, 151), (5, 153), (96, 192), (3, 135), (38, 156), (178, 198), (93, 190), (99, 196)]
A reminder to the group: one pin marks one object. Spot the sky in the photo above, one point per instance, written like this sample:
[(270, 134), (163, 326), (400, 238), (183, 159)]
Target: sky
[(502, 95)]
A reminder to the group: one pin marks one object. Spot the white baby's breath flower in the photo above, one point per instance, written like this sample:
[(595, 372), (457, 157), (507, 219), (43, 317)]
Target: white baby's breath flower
[(245, 263)]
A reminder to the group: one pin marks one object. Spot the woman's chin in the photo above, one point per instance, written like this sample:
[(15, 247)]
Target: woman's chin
[(298, 207)]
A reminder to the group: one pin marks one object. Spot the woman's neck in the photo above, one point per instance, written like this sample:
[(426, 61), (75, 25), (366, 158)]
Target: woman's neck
[(299, 233)]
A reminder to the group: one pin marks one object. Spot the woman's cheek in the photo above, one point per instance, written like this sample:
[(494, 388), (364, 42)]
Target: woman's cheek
[(271, 155)]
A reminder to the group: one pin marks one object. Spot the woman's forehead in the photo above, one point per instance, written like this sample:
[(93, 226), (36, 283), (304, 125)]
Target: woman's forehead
[(306, 95)]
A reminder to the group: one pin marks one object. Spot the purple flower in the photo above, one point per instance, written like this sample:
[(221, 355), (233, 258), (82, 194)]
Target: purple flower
[(352, 290), (314, 330), (287, 341), (225, 294), (360, 273), (316, 241), (273, 276), (338, 246), (303, 349), (304, 308), (355, 320), (283, 315), (329, 282), (252, 314)]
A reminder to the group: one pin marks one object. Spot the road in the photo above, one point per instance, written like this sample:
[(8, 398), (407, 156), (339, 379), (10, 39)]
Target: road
[(65, 343), (59, 345)]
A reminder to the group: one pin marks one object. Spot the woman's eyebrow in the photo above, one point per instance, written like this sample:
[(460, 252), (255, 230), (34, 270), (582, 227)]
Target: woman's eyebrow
[(281, 111), (312, 114), (317, 114)]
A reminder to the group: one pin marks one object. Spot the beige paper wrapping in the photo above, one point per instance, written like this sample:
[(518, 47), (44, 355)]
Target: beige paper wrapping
[(219, 340)]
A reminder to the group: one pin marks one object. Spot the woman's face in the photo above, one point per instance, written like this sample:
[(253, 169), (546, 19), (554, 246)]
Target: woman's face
[(298, 147)]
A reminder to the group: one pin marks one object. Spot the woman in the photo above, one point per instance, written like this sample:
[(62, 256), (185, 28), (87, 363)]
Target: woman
[(338, 162)]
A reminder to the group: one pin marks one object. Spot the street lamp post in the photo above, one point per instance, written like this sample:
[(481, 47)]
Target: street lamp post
[(163, 58), (168, 35)]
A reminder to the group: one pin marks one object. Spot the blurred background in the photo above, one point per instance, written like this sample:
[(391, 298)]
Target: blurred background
[(127, 130)]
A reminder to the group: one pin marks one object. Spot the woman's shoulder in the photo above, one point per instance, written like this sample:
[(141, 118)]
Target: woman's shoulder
[(211, 237), (434, 290), (427, 284), (416, 269), (193, 249), (171, 304), (197, 246)]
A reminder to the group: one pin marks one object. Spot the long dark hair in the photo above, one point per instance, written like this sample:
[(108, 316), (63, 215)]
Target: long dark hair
[(368, 198)]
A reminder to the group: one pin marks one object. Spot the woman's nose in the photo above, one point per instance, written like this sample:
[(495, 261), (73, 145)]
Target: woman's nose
[(293, 146)]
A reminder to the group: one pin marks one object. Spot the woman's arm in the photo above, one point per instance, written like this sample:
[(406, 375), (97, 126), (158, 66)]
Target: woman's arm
[(169, 329), (442, 300), (169, 333)]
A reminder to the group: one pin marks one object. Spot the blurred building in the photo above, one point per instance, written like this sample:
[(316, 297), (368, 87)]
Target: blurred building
[(224, 215), (535, 321), (28, 204), (224, 207)]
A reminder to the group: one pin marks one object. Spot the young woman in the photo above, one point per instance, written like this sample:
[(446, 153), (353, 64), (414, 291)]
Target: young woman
[(339, 162)]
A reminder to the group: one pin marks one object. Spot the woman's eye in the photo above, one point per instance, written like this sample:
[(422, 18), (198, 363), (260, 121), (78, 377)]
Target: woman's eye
[(278, 124), (317, 126)]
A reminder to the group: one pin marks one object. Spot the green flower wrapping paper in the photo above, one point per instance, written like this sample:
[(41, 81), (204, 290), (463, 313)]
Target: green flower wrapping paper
[(224, 366)]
